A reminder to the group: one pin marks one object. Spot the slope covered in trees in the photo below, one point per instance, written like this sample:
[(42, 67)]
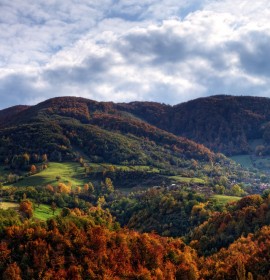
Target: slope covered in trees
[(238, 219), (167, 232), (75, 247), (222, 123), (7, 114), (246, 259), (231, 122), (80, 245), (103, 133)]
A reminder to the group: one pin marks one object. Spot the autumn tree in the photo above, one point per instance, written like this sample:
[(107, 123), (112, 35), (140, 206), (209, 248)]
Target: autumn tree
[(78, 189), (63, 188), (101, 201), (85, 188), (33, 169), (12, 272), (50, 188), (107, 186), (26, 207), (237, 190)]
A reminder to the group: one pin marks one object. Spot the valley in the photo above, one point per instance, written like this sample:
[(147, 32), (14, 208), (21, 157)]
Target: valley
[(80, 178)]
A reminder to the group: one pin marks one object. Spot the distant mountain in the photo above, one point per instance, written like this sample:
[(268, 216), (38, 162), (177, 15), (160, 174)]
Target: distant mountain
[(61, 126), (222, 123), (226, 124)]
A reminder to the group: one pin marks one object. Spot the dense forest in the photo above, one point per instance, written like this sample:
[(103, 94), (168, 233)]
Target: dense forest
[(90, 245), (231, 122), (98, 190)]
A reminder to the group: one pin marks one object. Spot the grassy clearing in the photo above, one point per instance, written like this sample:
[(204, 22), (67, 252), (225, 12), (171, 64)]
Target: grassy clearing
[(187, 180), (70, 172), (44, 212), (8, 205), (222, 200), (262, 162), (244, 160)]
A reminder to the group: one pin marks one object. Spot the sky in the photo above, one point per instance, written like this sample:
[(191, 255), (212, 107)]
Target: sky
[(168, 51)]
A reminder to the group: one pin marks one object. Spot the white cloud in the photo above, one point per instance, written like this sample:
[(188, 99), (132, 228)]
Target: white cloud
[(168, 51)]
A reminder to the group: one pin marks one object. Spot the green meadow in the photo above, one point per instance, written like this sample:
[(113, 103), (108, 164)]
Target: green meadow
[(222, 200), (187, 180), (44, 212), (69, 172), (244, 160)]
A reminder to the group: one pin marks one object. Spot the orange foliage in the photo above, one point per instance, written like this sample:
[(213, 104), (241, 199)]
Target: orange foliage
[(63, 250), (63, 188), (26, 208), (250, 254), (12, 272)]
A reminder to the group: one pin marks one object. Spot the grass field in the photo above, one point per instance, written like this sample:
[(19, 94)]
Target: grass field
[(263, 163), (187, 180), (70, 172), (7, 205), (224, 199), (44, 212), (244, 160)]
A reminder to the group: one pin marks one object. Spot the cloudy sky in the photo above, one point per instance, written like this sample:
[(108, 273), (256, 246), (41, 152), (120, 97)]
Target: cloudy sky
[(124, 50)]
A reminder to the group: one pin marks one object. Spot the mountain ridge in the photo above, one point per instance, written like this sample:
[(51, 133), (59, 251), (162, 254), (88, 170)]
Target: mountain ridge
[(231, 122), (106, 134)]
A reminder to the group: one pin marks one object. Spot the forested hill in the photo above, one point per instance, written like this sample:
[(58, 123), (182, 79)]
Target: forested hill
[(226, 124), (61, 126), (7, 114), (222, 123)]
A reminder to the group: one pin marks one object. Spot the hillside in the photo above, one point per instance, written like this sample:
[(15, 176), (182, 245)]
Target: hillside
[(222, 123), (67, 168), (72, 129), (90, 245), (101, 131), (7, 114), (67, 128), (227, 124)]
